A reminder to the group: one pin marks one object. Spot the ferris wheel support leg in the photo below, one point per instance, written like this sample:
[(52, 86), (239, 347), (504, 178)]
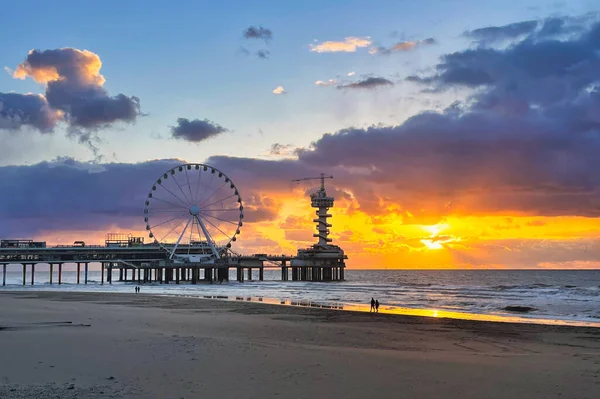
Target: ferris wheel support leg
[(208, 237), (180, 237)]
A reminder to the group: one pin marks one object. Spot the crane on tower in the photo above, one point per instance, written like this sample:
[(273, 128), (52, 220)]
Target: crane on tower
[(322, 178)]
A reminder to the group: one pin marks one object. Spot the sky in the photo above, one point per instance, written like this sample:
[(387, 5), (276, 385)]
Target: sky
[(460, 134)]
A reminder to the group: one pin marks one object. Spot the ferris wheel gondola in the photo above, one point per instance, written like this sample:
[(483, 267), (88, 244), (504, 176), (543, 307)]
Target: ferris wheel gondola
[(194, 209)]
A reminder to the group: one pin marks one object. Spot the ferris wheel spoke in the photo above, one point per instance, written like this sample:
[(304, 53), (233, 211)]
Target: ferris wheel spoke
[(167, 202), (189, 185), (222, 220), (173, 194), (221, 200), (199, 181), (213, 194), (212, 176), (170, 231), (181, 189), (221, 210), (216, 227), (165, 222), (167, 210)]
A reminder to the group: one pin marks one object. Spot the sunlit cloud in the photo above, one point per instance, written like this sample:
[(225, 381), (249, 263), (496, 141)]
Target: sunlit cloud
[(279, 90), (330, 82), (349, 45), (351, 73), (74, 94)]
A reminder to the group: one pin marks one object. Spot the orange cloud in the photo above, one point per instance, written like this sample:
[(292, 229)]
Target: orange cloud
[(348, 45), (82, 65)]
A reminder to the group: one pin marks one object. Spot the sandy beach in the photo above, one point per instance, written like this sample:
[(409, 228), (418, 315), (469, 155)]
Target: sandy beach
[(85, 345)]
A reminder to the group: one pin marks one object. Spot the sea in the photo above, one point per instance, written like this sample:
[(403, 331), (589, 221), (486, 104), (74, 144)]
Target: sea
[(569, 297)]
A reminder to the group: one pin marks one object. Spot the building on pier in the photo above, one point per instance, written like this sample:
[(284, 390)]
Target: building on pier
[(22, 244)]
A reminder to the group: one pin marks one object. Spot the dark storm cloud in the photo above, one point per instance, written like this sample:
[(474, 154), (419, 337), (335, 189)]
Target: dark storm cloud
[(259, 32), (369, 83), (74, 89), (68, 195), (259, 208), (17, 110), (498, 33), (527, 140), (542, 69), (196, 130)]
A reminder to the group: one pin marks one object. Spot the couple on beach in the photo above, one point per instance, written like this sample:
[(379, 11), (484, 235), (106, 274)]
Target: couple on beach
[(137, 289), (374, 306)]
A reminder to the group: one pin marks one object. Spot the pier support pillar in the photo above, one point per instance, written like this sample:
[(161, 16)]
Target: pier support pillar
[(177, 275), (85, 271), (249, 274), (60, 273), (3, 275), (78, 272), (102, 273), (24, 273), (32, 273), (120, 274), (51, 272), (261, 274)]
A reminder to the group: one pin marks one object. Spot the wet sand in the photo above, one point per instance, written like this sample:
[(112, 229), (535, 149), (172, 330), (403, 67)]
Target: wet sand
[(106, 345)]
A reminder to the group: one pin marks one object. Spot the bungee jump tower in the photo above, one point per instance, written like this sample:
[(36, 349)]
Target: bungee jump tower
[(322, 261)]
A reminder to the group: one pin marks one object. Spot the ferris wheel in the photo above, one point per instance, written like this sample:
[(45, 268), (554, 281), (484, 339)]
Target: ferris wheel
[(194, 211)]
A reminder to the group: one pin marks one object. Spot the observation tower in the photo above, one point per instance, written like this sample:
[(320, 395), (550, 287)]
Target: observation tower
[(324, 260)]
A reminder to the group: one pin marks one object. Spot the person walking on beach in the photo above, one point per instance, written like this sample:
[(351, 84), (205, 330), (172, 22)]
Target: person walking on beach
[(377, 306), (372, 305)]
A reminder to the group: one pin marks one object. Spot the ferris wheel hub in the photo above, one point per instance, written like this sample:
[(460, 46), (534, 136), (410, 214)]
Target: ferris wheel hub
[(194, 210)]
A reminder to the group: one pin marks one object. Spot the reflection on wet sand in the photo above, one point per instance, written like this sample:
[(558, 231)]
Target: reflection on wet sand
[(396, 310)]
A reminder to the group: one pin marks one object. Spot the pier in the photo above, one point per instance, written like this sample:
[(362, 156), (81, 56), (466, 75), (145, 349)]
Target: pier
[(150, 264)]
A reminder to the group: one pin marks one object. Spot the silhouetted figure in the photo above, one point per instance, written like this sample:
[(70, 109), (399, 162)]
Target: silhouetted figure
[(377, 306), (372, 305)]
